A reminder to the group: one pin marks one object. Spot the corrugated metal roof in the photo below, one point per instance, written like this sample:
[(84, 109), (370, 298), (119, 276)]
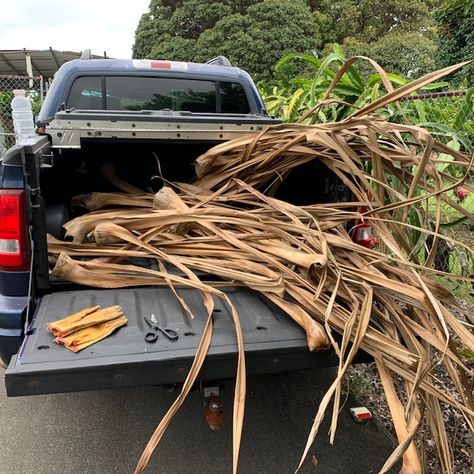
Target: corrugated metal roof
[(45, 62)]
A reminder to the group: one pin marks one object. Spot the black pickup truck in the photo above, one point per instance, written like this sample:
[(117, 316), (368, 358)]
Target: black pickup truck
[(132, 114)]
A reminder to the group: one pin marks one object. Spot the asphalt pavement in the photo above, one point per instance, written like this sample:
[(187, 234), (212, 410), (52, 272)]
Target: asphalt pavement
[(106, 431)]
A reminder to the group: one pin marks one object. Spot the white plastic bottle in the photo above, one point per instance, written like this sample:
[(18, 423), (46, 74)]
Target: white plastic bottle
[(23, 121)]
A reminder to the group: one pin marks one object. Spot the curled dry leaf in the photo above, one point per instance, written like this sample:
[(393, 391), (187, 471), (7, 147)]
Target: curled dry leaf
[(302, 258)]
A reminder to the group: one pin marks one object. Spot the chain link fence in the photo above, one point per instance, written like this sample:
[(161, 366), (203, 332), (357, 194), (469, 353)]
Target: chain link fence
[(35, 87), (449, 116)]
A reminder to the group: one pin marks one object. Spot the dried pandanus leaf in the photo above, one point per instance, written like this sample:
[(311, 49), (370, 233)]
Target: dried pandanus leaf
[(229, 225), (95, 201), (411, 461), (166, 198), (312, 263), (353, 262), (110, 173), (315, 334)]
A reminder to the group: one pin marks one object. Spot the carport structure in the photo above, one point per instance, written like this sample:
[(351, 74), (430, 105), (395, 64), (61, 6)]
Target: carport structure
[(33, 71)]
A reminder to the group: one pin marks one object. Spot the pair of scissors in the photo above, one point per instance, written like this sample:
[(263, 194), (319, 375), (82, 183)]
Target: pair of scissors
[(152, 336)]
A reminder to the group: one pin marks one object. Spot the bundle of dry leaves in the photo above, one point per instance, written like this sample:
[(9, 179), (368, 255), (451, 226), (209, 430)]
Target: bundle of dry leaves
[(302, 258)]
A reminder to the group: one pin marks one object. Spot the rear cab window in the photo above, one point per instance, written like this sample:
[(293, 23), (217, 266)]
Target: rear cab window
[(86, 93), (135, 93)]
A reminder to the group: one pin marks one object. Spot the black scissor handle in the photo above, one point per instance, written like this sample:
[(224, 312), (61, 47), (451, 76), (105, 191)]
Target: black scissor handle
[(151, 336), (170, 333)]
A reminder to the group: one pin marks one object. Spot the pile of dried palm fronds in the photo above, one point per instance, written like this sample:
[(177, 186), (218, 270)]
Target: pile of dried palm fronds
[(302, 259)]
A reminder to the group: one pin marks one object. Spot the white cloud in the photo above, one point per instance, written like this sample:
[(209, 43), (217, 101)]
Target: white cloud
[(102, 25)]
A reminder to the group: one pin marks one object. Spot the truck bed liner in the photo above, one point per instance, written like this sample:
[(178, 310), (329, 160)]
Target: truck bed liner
[(273, 342)]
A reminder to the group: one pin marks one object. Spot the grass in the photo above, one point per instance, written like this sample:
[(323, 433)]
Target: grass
[(359, 384)]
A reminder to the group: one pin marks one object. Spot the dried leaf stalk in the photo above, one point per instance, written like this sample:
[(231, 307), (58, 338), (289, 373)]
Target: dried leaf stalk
[(230, 225)]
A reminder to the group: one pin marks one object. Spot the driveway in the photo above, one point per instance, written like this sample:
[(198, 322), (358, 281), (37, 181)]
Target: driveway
[(105, 431)]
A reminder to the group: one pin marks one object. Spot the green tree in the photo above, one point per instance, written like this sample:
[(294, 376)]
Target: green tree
[(176, 48), (151, 27), (456, 37), (255, 34), (249, 33), (195, 16), (409, 54), (257, 40), (369, 20), (167, 20)]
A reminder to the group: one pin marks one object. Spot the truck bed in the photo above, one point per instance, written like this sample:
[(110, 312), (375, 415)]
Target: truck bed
[(273, 342)]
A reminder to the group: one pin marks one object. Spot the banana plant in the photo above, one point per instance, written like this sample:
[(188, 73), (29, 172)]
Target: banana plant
[(294, 99)]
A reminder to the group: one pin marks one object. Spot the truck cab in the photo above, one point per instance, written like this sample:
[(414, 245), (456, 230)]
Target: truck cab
[(148, 120)]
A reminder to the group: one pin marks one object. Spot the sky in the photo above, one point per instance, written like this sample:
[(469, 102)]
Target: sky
[(71, 25)]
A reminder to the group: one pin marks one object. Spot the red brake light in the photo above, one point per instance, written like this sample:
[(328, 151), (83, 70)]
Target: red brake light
[(362, 231), (157, 64), (363, 236), (13, 244)]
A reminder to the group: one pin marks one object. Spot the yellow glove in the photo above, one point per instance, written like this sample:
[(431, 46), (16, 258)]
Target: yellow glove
[(83, 319), (83, 338), (87, 327)]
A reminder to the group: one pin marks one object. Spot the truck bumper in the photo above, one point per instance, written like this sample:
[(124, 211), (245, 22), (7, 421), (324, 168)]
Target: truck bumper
[(12, 317)]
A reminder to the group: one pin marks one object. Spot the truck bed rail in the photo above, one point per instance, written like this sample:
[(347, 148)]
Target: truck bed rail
[(69, 128)]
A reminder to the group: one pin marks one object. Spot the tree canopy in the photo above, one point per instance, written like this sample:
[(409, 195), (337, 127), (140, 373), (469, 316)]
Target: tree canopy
[(368, 20), (255, 34), (456, 36), (257, 40), (409, 54)]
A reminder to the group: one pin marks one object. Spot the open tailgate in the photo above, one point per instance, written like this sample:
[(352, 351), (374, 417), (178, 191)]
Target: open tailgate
[(273, 342)]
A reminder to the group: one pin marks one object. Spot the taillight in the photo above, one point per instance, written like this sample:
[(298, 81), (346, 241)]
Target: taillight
[(157, 64), (13, 242), (363, 236), (362, 231)]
